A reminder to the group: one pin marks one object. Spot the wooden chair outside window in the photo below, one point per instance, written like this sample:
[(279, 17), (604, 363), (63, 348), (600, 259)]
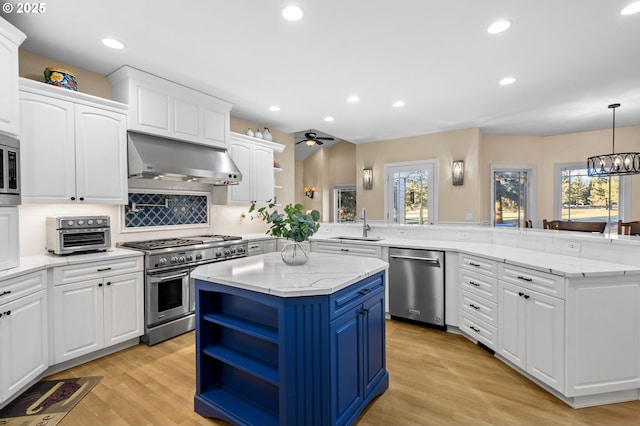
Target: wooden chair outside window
[(629, 228)]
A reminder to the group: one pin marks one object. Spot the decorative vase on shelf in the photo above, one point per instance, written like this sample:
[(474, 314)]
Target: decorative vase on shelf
[(258, 134), (294, 254), (266, 134), (250, 132)]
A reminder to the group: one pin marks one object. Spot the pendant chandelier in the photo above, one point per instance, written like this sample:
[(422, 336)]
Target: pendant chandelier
[(616, 163)]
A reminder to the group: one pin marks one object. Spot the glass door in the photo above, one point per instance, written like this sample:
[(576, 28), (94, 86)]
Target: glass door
[(411, 194)]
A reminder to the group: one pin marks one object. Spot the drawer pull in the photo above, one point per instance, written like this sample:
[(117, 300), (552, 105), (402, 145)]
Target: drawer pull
[(474, 283), (344, 249), (520, 277), (5, 292), (104, 269), (476, 307), (477, 330), (521, 294), (477, 265), (364, 291)]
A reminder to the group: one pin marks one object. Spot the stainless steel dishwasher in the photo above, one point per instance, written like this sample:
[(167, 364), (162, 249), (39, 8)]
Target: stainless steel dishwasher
[(416, 286)]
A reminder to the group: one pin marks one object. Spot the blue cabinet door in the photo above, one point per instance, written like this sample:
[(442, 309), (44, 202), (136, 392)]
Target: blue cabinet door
[(374, 342), (346, 365)]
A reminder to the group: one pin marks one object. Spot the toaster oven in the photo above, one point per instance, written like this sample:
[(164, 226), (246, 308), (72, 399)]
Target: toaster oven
[(78, 234)]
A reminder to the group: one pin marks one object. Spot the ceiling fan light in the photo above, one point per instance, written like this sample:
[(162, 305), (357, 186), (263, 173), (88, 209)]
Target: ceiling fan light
[(310, 142)]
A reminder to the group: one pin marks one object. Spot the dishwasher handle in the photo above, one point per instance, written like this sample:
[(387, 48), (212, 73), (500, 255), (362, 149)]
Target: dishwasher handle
[(433, 260)]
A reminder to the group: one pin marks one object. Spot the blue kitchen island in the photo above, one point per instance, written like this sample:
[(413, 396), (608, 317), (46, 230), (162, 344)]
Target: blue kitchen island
[(290, 345)]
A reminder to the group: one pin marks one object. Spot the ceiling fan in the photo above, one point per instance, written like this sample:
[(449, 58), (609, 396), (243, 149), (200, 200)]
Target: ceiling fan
[(311, 138)]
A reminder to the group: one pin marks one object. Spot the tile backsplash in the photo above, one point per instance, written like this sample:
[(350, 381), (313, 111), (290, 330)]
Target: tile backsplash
[(156, 209)]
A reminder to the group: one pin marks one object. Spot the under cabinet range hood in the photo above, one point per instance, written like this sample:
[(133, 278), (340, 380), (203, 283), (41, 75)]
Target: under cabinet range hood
[(155, 157)]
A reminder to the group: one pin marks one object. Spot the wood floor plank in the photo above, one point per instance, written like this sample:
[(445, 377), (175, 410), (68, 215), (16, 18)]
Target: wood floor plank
[(436, 378)]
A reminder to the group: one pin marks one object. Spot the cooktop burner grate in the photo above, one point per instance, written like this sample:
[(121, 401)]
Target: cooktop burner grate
[(158, 244)]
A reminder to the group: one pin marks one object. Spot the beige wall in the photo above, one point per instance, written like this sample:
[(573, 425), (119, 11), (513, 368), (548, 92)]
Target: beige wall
[(455, 201)]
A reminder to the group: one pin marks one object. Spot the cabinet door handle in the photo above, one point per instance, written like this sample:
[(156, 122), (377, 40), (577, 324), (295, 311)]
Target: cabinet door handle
[(477, 330), (108, 282), (104, 269), (474, 283), (81, 198), (520, 294), (100, 285), (73, 198), (364, 291), (364, 312), (5, 292), (520, 277), (526, 296), (474, 306)]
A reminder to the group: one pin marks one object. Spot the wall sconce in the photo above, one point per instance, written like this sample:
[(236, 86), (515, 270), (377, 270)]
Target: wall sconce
[(309, 192), (457, 172), (367, 178)]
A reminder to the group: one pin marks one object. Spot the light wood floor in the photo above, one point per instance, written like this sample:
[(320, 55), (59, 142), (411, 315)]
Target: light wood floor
[(436, 378)]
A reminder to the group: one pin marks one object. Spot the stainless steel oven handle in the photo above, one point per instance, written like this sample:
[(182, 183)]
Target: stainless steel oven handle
[(169, 277)]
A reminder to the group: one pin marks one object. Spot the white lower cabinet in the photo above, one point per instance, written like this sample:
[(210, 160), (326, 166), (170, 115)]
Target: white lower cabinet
[(95, 313), (24, 337), (262, 246), (532, 333)]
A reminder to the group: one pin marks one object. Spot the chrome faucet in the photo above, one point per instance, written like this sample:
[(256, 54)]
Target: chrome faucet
[(365, 228)]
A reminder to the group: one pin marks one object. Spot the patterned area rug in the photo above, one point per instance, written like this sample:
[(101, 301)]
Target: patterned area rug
[(46, 403)]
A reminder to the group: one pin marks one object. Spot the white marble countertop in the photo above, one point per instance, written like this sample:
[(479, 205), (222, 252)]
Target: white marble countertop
[(38, 262), (267, 273), (558, 264)]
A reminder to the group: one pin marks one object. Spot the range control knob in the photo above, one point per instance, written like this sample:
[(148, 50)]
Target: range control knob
[(162, 261), (174, 259), (227, 252), (99, 221), (70, 223), (199, 256), (90, 222), (189, 258), (80, 222), (241, 250), (233, 251), (181, 259)]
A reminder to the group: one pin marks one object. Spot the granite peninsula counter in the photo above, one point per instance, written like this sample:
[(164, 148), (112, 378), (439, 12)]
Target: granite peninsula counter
[(279, 344)]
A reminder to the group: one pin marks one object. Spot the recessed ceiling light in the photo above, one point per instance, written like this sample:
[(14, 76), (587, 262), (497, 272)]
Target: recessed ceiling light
[(292, 13), (328, 118), (499, 26), (353, 99), (398, 104), (113, 43), (506, 81), (274, 108), (631, 9)]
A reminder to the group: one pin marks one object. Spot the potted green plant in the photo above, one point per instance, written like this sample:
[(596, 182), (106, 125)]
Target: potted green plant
[(294, 225)]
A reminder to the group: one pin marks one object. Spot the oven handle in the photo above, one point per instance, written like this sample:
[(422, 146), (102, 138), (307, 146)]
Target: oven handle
[(169, 277)]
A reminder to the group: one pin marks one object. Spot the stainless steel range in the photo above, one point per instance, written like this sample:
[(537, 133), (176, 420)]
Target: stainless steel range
[(169, 295)]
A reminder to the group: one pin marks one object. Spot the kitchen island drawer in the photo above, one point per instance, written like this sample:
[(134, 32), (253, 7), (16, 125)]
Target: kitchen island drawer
[(479, 264), (479, 284), (92, 270), (479, 307), (479, 330), (352, 296), (348, 249), (546, 283)]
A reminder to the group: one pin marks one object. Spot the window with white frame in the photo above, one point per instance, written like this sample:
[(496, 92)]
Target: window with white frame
[(411, 192), (344, 202), (580, 197), (512, 195)]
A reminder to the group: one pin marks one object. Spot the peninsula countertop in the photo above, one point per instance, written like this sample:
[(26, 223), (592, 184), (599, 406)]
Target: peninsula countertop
[(267, 273)]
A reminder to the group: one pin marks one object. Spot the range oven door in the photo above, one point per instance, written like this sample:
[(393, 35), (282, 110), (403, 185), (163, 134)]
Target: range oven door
[(167, 296)]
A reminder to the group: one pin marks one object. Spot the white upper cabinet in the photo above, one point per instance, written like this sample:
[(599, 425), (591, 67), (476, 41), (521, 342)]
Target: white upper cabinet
[(73, 147), (164, 108), (254, 158), (10, 40)]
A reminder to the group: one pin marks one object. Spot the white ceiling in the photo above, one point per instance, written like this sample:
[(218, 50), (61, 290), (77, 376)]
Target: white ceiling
[(571, 58)]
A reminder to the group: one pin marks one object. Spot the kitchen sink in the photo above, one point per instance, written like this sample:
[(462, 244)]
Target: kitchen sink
[(357, 238)]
